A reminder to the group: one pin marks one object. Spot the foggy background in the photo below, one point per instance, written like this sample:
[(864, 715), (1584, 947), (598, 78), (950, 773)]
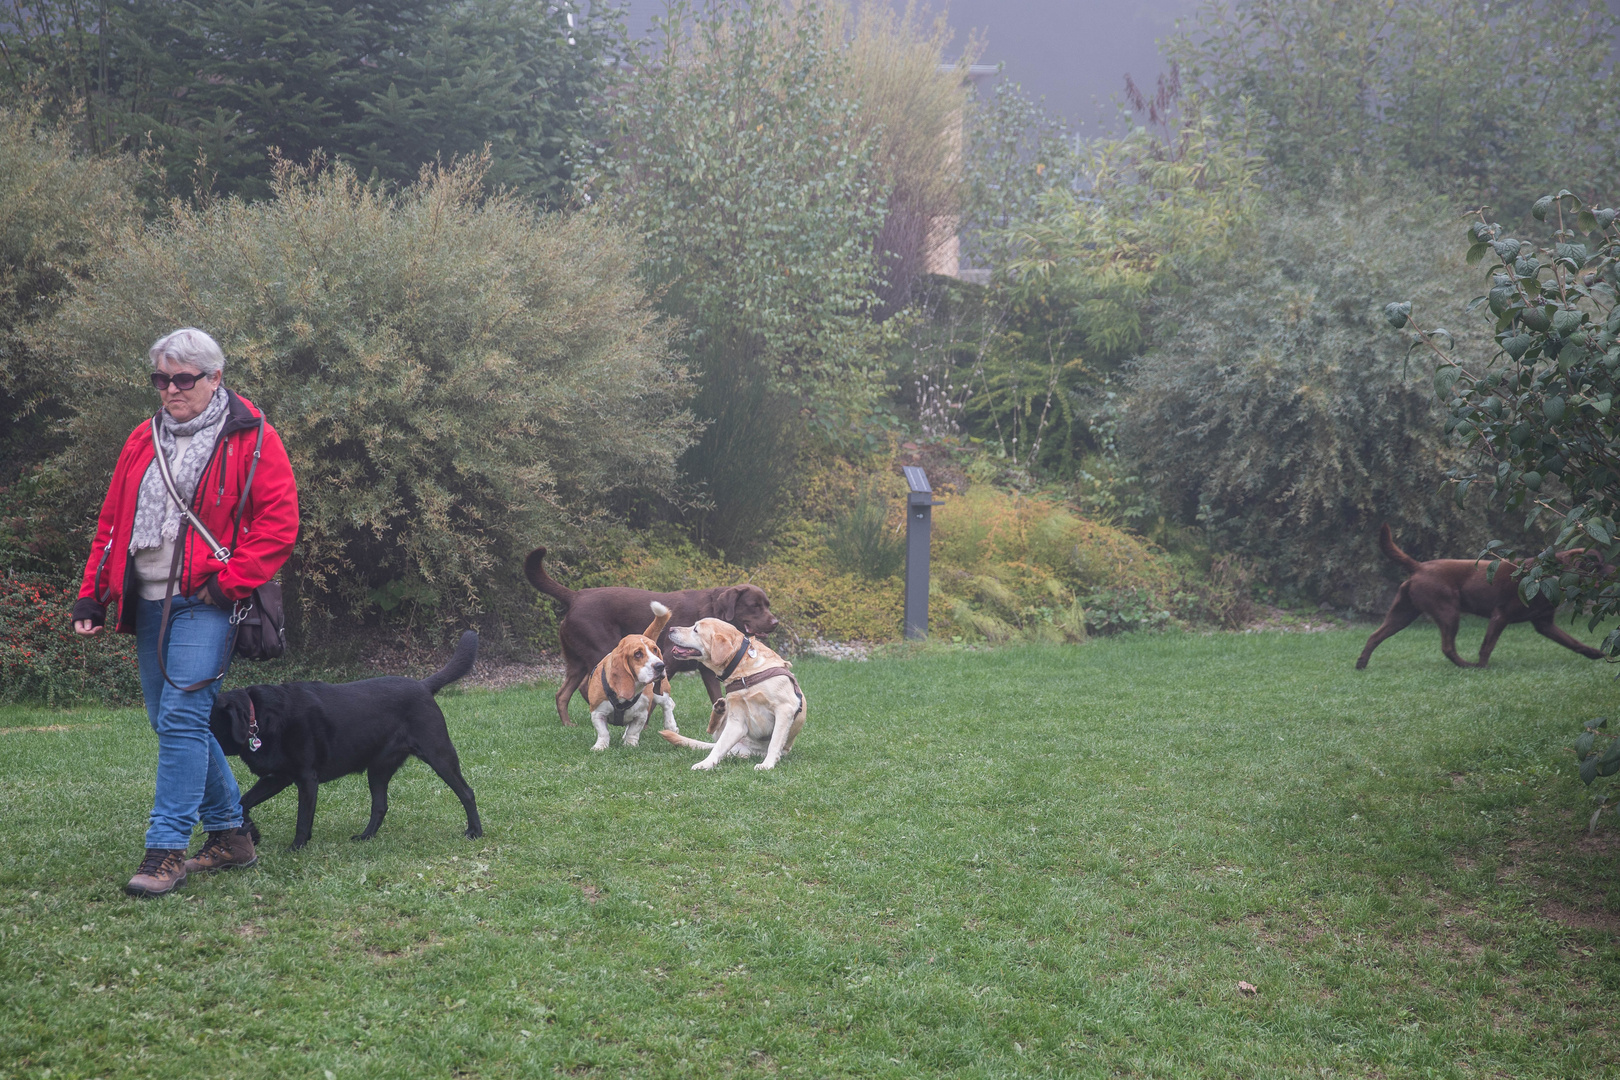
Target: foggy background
[(1074, 53)]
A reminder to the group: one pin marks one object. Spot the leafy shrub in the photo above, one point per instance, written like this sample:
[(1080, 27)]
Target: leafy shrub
[(1391, 86), (57, 207), (1024, 363), (455, 377), (1281, 418), (1013, 566), (1542, 428), (42, 659), (863, 537), (1005, 567), (746, 165), (1599, 759), (913, 106), (812, 599)]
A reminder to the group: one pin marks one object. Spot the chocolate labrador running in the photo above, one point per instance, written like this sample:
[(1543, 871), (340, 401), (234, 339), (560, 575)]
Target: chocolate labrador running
[(1447, 589), (595, 620)]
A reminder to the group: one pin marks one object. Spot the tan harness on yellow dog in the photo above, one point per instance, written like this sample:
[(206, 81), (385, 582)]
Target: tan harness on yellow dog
[(743, 682)]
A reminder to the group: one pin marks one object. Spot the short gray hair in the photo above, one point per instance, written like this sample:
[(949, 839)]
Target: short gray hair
[(190, 346)]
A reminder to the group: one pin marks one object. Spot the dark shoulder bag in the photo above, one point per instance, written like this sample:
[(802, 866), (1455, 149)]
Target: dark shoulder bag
[(259, 622)]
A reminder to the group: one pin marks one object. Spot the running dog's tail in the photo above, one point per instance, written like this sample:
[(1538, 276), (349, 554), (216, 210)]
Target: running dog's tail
[(660, 620), (459, 665), (1386, 540), (681, 740), (534, 569)]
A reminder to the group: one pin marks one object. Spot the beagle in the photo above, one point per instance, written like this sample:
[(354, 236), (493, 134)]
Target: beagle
[(764, 706), (626, 682)]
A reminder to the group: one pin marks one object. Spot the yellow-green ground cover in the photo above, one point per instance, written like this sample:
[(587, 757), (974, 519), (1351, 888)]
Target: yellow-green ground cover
[(1042, 860)]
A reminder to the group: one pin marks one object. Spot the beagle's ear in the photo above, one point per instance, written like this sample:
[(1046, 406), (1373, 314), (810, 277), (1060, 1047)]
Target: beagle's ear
[(726, 605), (619, 674)]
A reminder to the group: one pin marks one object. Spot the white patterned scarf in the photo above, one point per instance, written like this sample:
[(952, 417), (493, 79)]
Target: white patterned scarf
[(157, 518)]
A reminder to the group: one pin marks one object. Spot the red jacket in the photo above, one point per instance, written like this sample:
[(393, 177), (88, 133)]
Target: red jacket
[(269, 522)]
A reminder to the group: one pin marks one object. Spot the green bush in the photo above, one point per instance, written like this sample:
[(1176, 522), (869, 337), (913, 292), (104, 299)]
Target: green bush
[(862, 538), (1279, 414), (745, 163), (1481, 101), (42, 659), (1536, 413), (57, 208), (1599, 759), (455, 377)]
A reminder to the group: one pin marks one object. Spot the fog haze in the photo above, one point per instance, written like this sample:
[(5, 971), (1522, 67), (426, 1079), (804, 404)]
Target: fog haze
[(1075, 53)]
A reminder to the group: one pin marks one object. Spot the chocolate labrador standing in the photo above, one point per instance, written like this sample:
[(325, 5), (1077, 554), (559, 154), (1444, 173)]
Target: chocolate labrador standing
[(594, 620), (1447, 589)]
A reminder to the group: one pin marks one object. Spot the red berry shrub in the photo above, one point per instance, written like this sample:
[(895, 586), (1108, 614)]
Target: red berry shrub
[(42, 659)]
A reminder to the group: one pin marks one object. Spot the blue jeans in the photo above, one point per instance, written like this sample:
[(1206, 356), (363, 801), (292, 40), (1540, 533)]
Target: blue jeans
[(194, 779)]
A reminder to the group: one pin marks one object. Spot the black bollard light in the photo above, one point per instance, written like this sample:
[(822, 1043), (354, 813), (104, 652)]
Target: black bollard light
[(919, 526)]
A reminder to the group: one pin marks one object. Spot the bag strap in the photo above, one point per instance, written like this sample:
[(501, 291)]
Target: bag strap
[(220, 552)]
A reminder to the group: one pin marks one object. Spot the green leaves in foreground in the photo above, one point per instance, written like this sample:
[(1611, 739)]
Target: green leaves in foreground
[(1599, 759), (1538, 418)]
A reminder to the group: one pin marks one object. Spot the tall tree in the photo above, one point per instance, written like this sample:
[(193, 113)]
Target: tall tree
[(214, 89), (744, 161), (1480, 100)]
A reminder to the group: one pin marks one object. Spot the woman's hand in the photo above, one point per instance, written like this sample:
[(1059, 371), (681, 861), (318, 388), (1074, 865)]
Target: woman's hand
[(85, 626)]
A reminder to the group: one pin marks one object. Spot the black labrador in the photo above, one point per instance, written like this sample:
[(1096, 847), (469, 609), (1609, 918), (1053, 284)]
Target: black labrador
[(307, 733)]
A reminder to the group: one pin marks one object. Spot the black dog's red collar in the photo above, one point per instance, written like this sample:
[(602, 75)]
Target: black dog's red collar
[(253, 727)]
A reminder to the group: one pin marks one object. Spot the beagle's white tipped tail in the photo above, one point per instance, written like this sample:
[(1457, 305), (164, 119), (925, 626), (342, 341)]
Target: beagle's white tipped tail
[(660, 620)]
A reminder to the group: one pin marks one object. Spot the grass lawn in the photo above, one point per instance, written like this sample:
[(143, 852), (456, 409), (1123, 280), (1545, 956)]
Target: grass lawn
[(1031, 861)]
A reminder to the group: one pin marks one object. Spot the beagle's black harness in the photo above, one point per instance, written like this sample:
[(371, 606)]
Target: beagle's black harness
[(620, 707)]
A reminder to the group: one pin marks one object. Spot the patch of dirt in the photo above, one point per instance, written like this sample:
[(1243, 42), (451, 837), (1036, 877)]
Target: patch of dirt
[(50, 727), (1271, 618), (415, 948), (416, 661), (859, 651), (250, 931), (591, 893), (1579, 919)]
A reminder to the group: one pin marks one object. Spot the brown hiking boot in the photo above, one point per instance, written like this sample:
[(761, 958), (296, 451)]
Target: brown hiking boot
[(162, 871), (223, 850)]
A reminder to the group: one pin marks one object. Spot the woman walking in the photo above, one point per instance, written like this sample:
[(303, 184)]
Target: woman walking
[(145, 554)]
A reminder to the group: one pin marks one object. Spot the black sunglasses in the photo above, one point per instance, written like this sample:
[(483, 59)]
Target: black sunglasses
[(183, 381)]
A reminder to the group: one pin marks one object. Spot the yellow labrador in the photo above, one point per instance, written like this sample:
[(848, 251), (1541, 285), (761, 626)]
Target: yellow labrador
[(764, 707)]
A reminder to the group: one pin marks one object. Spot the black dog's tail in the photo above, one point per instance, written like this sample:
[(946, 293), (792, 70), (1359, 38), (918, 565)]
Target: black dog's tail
[(459, 665), (1386, 540), (534, 569)]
